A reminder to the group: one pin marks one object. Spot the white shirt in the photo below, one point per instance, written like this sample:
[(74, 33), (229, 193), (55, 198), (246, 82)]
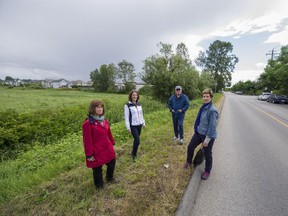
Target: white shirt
[(137, 115)]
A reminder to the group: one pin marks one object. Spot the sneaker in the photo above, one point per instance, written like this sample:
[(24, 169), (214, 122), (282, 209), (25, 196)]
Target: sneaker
[(205, 175), (186, 165), (175, 138), (181, 141)]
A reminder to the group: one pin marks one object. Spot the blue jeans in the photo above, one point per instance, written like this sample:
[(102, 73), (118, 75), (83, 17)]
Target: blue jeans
[(195, 141), (178, 126), (136, 131)]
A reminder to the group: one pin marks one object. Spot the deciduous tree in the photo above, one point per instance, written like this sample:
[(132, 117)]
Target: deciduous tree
[(167, 69), (219, 62), (125, 71), (104, 78)]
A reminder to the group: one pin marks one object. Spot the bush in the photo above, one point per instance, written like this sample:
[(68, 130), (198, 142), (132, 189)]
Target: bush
[(146, 90)]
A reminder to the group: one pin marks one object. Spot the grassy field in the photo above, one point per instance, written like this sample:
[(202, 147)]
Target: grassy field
[(27, 100), (54, 180)]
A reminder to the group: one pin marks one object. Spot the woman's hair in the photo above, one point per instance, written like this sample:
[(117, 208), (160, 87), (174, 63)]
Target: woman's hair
[(93, 105), (208, 91), (130, 95)]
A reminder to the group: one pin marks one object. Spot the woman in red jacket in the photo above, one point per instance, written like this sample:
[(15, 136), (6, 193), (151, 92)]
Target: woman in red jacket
[(98, 143)]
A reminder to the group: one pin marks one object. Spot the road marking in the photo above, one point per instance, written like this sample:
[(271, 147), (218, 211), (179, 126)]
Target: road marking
[(279, 121)]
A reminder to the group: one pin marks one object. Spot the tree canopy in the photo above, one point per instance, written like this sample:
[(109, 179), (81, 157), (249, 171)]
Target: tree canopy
[(104, 78), (275, 76), (167, 69), (125, 71), (219, 62)]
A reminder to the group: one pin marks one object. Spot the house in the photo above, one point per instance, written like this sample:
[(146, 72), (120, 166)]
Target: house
[(88, 83), (61, 83), (47, 83), (138, 85), (77, 83)]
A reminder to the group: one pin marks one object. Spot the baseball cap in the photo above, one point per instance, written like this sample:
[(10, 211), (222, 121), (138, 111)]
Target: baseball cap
[(178, 87)]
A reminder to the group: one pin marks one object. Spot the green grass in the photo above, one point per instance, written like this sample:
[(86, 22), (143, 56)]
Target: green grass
[(54, 180), (23, 100)]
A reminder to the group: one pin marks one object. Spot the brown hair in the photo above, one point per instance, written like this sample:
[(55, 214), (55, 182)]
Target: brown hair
[(93, 105), (130, 95), (208, 91)]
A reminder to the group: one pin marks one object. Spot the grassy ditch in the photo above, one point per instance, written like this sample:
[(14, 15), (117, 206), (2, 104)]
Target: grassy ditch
[(54, 180)]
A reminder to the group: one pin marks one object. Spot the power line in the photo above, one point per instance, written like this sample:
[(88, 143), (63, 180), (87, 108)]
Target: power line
[(273, 53)]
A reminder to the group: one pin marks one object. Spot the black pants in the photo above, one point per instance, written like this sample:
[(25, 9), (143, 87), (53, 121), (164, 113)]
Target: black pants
[(136, 131), (97, 173), (195, 141)]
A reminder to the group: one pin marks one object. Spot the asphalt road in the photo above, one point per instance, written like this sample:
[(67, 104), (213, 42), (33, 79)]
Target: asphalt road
[(250, 167)]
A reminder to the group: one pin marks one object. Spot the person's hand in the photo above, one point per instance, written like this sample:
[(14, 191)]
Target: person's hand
[(172, 110), (129, 131), (205, 144), (179, 110), (91, 158), (144, 126)]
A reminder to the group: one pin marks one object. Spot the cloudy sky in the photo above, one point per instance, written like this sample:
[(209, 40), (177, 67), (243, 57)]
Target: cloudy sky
[(70, 38)]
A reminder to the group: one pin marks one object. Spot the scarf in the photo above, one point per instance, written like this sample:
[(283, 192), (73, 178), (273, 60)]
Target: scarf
[(99, 118)]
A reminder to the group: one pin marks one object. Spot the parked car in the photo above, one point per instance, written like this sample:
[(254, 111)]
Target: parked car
[(239, 92), (274, 98), (264, 96)]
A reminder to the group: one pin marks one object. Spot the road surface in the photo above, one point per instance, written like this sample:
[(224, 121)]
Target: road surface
[(250, 167)]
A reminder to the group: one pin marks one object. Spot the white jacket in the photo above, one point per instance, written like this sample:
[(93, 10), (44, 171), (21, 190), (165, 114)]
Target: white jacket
[(137, 115)]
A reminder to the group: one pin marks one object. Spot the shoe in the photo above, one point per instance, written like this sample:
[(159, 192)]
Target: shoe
[(186, 165), (175, 138), (112, 181), (181, 141), (99, 187), (205, 175), (134, 157)]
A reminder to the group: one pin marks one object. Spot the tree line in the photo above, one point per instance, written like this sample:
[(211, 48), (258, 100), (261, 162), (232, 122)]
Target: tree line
[(274, 78), (168, 68)]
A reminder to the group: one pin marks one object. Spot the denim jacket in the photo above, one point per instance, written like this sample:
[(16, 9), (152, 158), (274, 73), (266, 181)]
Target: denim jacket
[(208, 122)]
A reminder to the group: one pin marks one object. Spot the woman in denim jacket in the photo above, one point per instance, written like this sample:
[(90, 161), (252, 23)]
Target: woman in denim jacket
[(204, 132)]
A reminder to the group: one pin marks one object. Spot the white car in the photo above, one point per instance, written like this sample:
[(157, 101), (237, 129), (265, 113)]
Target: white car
[(264, 96)]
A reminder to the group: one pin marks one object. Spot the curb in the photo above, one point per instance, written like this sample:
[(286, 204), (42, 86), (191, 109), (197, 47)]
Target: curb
[(188, 199)]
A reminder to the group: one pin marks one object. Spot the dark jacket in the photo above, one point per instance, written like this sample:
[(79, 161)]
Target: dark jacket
[(175, 103)]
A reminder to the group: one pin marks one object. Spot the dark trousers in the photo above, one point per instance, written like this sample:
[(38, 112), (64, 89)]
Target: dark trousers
[(136, 131), (195, 141), (97, 173), (178, 126)]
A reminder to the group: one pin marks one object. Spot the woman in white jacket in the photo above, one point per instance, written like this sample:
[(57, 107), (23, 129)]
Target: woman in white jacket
[(134, 120)]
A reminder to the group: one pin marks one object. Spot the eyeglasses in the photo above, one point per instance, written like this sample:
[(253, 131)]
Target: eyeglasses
[(178, 89)]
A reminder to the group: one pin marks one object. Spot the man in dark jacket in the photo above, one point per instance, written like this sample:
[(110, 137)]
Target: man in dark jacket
[(178, 104)]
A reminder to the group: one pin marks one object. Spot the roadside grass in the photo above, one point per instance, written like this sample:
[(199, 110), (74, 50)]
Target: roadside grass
[(61, 185)]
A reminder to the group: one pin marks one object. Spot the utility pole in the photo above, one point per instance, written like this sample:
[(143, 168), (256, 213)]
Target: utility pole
[(273, 52)]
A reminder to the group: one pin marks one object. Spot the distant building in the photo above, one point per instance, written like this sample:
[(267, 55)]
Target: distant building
[(138, 85)]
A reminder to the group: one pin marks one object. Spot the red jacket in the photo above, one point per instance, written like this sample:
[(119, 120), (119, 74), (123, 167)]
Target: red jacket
[(98, 142)]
